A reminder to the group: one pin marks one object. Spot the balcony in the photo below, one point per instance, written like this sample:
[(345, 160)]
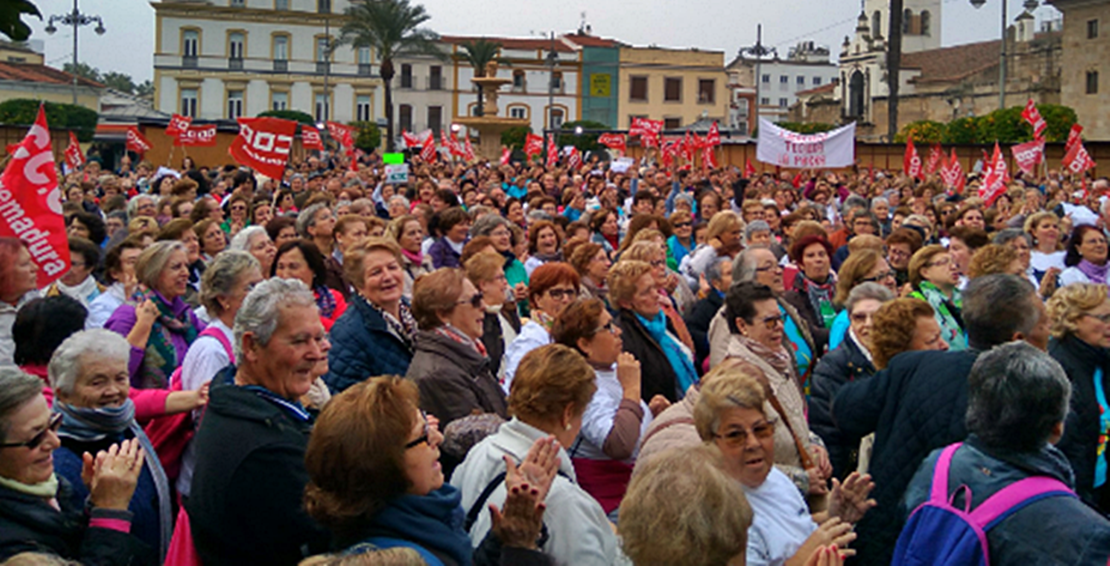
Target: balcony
[(435, 82), (323, 67), (235, 63), (189, 61), (406, 81), (365, 69), (281, 66)]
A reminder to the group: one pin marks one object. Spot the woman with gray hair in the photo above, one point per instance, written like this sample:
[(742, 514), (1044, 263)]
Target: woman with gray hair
[(156, 320), (849, 362), (498, 229), (37, 516), (91, 385), (255, 241)]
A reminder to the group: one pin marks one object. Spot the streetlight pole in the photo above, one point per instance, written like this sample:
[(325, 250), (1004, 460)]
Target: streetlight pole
[(552, 58), (759, 51), (1029, 4), (75, 19), (327, 61)]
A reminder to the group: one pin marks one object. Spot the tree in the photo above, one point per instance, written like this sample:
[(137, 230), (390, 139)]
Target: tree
[(119, 81), (146, 89), (60, 116), (11, 18), (369, 137), (294, 115), (479, 54), (584, 142), (391, 28), (515, 136), (924, 131), (83, 70)]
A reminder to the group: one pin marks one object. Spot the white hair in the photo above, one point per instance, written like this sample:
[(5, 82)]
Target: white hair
[(261, 310), (242, 240), (68, 360), (133, 204)]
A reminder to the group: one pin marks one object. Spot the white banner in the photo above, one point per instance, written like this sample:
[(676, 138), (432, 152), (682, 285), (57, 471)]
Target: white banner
[(787, 149)]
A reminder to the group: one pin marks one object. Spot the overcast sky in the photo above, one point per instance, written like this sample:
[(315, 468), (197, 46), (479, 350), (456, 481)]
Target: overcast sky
[(724, 25)]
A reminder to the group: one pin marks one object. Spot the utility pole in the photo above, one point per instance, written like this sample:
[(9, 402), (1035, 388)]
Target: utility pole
[(552, 59), (893, 67), (758, 51), (327, 61), (75, 19)]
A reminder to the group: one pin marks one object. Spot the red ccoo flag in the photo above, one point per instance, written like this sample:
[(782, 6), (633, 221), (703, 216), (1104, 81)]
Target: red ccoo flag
[(552, 152), (533, 145), (428, 149), (749, 169), (263, 144), (1077, 160), (613, 141), (911, 162), (506, 155), (714, 135), (178, 124), (936, 157), (136, 142), (953, 174), (310, 137), (31, 204), (204, 136), (75, 158), (1028, 155), (708, 157), (1073, 137), (1034, 118), (994, 183)]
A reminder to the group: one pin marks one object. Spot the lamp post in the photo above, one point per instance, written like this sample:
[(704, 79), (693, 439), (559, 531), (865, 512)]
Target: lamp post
[(758, 51), (75, 19), (1029, 5), (552, 59)]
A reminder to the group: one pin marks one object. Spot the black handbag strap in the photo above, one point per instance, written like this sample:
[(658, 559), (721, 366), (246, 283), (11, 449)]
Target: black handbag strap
[(480, 503)]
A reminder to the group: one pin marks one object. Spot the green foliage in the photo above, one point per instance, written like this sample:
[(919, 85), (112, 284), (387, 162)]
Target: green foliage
[(961, 131), (805, 128), (514, 137), (11, 18), (295, 115), (59, 116), (1059, 118), (924, 131), (369, 136), (146, 89), (584, 142), (83, 70), (480, 53), (119, 81), (1007, 126)]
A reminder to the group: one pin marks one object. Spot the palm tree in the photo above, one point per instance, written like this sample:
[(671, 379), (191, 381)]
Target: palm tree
[(479, 54), (391, 29)]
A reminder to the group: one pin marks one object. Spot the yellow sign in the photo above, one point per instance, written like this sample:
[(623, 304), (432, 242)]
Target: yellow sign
[(601, 85)]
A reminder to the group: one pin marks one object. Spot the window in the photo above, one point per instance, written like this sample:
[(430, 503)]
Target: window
[(707, 91), (801, 80), (1092, 82), (281, 47), (742, 106), (364, 66), (1092, 29), (435, 77), (238, 3), (876, 24), (765, 79), (816, 81), (404, 117), (557, 117), (234, 104), (925, 21), (189, 102), (672, 123), (557, 81), (406, 75), (190, 42), (783, 103), (519, 81), (281, 4), (518, 112), (764, 101), (363, 109), (633, 118), (320, 106), (280, 101), (235, 43), (907, 17), (672, 89), (323, 6), (322, 44), (784, 82), (435, 118), (638, 89)]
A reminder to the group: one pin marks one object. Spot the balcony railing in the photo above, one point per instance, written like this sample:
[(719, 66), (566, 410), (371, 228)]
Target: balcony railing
[(435, 83), (323, 67), (365, 69), (235, 63), (189, 61), (406, 81), (281, 66)]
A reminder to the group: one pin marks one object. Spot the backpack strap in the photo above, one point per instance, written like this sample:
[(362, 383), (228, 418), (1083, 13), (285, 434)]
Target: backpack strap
[(1015, 496), (939, 491), (213, 332)]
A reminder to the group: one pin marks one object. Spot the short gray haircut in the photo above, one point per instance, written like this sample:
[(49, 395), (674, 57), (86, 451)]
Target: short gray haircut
[(1004, 237), (867, 290), (853, 201), (480, 210), (997, 306), (153, 260), (68, 360), (133, 204), (242, 240), (488, 223), (1017, 394), (16, 389), (878, 200), (401, 198), (756, 226), (538, 214), (220, 277), (744, 266), (345, 203), (261, 310), (716, 269), (307, 218)]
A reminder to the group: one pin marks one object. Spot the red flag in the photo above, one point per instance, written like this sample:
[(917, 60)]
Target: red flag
[(714, 135), (552, 152), (178, 124), (506, 154), (468, 150), (708, 157), (428, 150), (749, 169), (652, 140), (31, 204), (613, 141), (344, 134), (410, 140), (75, 158), (952, 173), (455, 147), (203, 136), (445, 143), (574, 161), (263, 144), (798, 181), (994, 183), (669, 150), (1078, 160), (936, 156), (136, 142), (1032, 116), (310, 137), (1028, 155), (533, 145), (1073, 137), (911, 162), (689, 144)]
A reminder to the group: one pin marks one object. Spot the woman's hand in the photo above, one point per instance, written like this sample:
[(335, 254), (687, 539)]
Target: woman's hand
[(831, 532), (821, 458), (849, 501), (520, 291), (628, 374), (181, 401), (817, 485), (539, 468), (520, 520), (145, 315), (130, 284), (113, 474), (658, 404), (826, 556), (1048, 283)]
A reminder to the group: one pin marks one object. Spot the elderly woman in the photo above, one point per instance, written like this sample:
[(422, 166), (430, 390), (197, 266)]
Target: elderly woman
[(119, 275), (501, 324), (755, 320), (1048, 249), (18, 275), (394, 495), (994, 258), (616, 417), (814, 288), (903, 325), (544, 245), (849, 362), (723, 238), (933, 278), (408, 232), (592, 263), (454, 226), (605, 226), (862, 266), (671, 288), (1080, 316), (245, 505), (88, 373), (682, 241), (213, 239), (224, 287), (39, 514), (281, 229), (301, 260), (554, 286), (736, 415), (255, 241), (550, 393), (375, 336), (79, 282), (501, 235), (1085, 257), (181, 230), (156, 321)]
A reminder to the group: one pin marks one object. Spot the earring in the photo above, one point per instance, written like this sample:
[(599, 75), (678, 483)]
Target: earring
[(568, 426)]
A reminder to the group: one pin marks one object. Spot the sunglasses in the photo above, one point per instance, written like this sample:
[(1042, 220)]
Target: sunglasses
[(737, 438), (38, 439), (772, 321), (475, 300), (683, 224)]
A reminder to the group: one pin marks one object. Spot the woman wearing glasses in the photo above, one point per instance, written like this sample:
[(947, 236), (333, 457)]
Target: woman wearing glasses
[(554, 286), (934, 277), (38, 514), (756, 323), (862, 266), (734, 413)]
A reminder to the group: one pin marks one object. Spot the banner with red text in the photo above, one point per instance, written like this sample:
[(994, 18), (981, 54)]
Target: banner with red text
[(310, 138), (911, 161), (1028, 155), (952, 173), (263, 144), (343, 134), (31, 203), (613, 141), (994, 182), (178, 124), (1078, 160), (202, 136), (75, 158), (783, 148), (1033, 116), (533, 145)]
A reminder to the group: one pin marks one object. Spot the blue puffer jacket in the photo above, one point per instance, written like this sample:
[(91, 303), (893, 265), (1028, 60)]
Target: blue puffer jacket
[(362, 347)]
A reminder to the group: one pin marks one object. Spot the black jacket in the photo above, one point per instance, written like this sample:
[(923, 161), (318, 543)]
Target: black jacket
[(454, 379), (492, 337), (1081, 431), (697, 322), (843, 365), (914, 406), (657, 376), (245, 505), (29, 524)]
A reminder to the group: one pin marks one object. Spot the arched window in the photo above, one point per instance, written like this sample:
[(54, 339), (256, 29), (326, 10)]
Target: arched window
[(925, 17), (877, 24), (855, 95), (907, 17)]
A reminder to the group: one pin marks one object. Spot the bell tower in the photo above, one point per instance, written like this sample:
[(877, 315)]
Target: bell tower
[(921, 23)]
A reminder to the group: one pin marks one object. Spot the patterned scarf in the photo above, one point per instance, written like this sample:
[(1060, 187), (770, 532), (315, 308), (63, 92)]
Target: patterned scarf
[(820, 296), (404, 329), (324, 301), (450, 332), (779, 359), (160, 356), (417, 258)]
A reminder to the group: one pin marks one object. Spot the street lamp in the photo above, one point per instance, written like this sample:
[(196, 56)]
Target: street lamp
[(1028, 5), (75, 19), (552, 59), (758, 51)]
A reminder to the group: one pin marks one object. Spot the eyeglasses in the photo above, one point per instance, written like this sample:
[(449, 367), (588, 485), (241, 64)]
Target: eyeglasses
[(772, 322), (658, 262), (424, 437), (683, 224), (610, 327), (879, 277), (770, 267), (939, 262), (860, 317), (475, 300), (739, 437), (560, 294), (1103, 318), (38, 439)]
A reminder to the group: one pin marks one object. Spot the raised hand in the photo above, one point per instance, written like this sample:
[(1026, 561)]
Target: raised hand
[(539, 468), (850, 501), (115, 473), (519, 521), (628, 374)]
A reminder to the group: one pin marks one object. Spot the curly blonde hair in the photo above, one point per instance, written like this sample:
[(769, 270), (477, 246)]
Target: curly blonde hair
[(893, 327), (991, 259), (623, 278), (1070, 303)]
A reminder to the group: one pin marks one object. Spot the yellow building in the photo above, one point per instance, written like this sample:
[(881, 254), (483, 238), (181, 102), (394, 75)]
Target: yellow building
[(40, 82), (678, 86)]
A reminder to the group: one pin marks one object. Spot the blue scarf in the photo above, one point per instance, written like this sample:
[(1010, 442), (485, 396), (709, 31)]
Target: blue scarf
[(680, 362), (433, 521)]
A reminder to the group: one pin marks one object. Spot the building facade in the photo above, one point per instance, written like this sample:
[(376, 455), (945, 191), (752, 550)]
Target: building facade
[(805, 67), (1085, 73), (226, 59), (677, 86), (423, 92)]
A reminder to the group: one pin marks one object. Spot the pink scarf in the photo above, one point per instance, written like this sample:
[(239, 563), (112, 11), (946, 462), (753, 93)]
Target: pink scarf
[(415, 257)]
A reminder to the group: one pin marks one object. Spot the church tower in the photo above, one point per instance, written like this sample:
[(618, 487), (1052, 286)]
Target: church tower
[(921, 23)]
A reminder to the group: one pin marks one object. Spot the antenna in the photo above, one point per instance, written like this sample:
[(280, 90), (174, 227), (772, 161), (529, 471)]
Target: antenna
[(583, 26)]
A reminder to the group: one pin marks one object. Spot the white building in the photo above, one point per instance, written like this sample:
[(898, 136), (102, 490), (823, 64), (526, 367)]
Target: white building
[(423, 93), (224, 59), (806, 66)]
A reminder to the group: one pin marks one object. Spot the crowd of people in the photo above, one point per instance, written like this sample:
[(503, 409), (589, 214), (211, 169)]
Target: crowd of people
[(513, 364)]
